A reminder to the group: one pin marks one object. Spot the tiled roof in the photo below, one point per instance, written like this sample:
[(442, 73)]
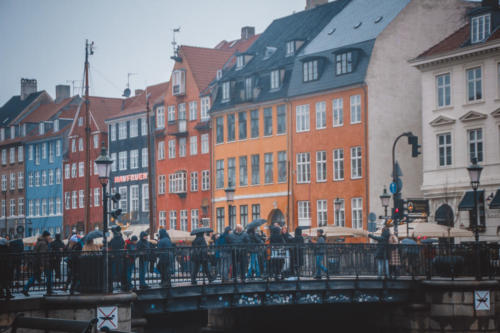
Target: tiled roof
[(102, 108), (15, 106), (239, 45), (33, 135), (45, 111)]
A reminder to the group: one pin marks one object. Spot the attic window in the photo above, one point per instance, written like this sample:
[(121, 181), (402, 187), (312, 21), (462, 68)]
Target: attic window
[(480, 28), (219, 74), (378, 19), (23, 130), (41, 128), (225, 91), (331, 31), (290, 48), (240, 62), (310, 70), (12, 132), (344, 63), (275, 79), (56, 125), (269, 52), (357, 25), (178, 82)]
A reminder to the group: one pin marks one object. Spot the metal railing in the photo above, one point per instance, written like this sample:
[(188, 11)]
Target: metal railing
[(181, 266)]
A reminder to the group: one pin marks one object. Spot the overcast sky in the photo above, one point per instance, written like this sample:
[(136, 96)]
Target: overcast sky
[(45, 40)]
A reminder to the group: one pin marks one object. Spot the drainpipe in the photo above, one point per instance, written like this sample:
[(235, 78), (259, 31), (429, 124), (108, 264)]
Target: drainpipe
[(289, 193), (367, 183)]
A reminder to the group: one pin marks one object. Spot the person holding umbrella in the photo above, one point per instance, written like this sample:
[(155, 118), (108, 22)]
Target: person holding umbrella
[(165, 246), (199, 254), (73, 249)]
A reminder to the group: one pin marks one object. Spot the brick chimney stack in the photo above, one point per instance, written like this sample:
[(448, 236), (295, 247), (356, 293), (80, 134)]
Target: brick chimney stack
[(247, 32), (62, 92), (28, 86), (310, 4)]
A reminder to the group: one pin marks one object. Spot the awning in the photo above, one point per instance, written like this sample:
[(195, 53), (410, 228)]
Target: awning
[(495, 203), (467, 202)]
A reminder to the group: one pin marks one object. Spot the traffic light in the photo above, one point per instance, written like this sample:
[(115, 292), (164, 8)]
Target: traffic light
[(415, 147), (117, 212), (399, 209)]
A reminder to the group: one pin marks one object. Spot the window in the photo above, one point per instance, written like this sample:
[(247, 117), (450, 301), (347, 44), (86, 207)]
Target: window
[(205, 180), (275, 80), (182, 111), (355, 162), (225, 91), (161, 150), (232, 216), (12, 207), (4, 183), (268, 168), (20, 206), (80, 121), (195, 218), (255, 212), (12, 155), (73, 170), (73, 146), (344, 63), (184, 219), (44, 178), (80, 146), (81, 199), (112, 132), (322, 213), (145, 197), (281, 119), (37, 208), (338, 112), (310, 70), (66, 171), (51, 206), (320, 115), (242, 125), (20, 153), (240, 62), (204, 144), (74, 200), (231, 172), (67, 200), (144, 127), (20, 179), (134, 128), (160, 117), (37, 178), (12, 132), (254, 123), (244, 215), (173, 219), (122, 160), (193, 145), (474, 84), (290, 48), (243, 171), (340, 214), (480, 28), (357, 213), (12, 181), (475, 144), (338, 164), (171, 113), (113, 158), (255, 169), (355, 109), (56, 125), (58, 148), (321, 166), (81, 169), (193, 110), (302, 118), (219, 174), (219, 124), (248, 89), (162, 218), (144, 157), (178, 82), (134, 198), (182, 147), (58, 206), (444, 148), (268, 121), (194, 181), (122, 204), (96, 141), (51, 177), (443, 88), (58, 176), (220, 219), (303, 168), (304, 212), (4, 157), (30, 180), (171, 149), (282, 167), (205, 107), (122, 130), (162, 184), (97, 198), (231, 135), (41, 128), (30, 152), (134, 159)]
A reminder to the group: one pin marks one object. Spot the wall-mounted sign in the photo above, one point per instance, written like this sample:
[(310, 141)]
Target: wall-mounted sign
[(482, 300), (131, 178)]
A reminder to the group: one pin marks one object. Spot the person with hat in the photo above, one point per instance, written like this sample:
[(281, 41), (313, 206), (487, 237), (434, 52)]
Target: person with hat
[(131, 247), (144, 250), (320, 254), (73, 250), (41, 264)]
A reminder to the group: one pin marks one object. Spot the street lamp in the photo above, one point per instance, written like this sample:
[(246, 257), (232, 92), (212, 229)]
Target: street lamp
[(103, 163), (385, 198), (475, 174), (229, 199)]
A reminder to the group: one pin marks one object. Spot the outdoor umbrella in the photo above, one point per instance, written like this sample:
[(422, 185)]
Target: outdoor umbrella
[(429, 229), (429, 240), (179, 235), (93, 235), (334, 231), (408, 241), (201, 231), (256, 223)]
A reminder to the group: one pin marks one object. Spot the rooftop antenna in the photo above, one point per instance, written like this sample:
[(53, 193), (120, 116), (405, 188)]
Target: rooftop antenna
[(73, 86), (174, 45), (126, 92)]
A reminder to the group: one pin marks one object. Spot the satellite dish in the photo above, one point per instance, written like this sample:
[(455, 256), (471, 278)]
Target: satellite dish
[(126, 92)]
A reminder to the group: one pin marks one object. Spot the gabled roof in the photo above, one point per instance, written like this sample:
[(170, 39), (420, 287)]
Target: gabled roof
[(15, 106), (100, 108), (33, 135), (46, 111), (239, 45)]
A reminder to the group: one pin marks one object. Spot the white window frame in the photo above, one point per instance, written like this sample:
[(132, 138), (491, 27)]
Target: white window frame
[(205, 108), (226, 91), (444, 148), (322, 212), (339, 214), (304, 213), (443, 90), (193, 110), (161, 150), (193, 145), (205, 180), (475, 81), (134, 198), (355, 106), (480, 28), (302, 118), (357, 213), (356, 163), (134, 159), (122, 160), (205, 143), (321, 166), (182, 147), (193, 181), (122, 130), (134, 128), (275, 79), (171, 149), (320, 115), (303, 168), (145, 198), (160, 117)]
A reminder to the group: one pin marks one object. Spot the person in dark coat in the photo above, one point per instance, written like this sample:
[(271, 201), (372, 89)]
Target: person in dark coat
[(298, 251), (116, 245), (7, 273), (144, 251), (381, 254), (73, 251), (319, 251), (57, 249), (255, 242), (223, 254), (41, 264), (199, 257), (165, 246), (277, 251), (131, 247), (239, 241)]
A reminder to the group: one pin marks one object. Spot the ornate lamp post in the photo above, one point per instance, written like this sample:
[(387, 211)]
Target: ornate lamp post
[(475, 174), (103, 163), (385, 198), (229, 199)]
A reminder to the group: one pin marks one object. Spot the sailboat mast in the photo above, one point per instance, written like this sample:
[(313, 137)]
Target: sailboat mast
[(88, 50), (152, 226)]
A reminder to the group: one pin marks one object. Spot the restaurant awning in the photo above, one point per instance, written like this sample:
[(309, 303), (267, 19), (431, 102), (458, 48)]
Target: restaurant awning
[(467, 202), (495, 203)]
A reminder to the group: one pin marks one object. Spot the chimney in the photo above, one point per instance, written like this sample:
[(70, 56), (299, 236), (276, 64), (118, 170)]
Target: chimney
[(28, 86), (62, 92), (247, 32), (310, 4), (138, 92)]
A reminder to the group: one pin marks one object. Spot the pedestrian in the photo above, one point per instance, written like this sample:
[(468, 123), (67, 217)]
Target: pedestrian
[(320, 249), (255, 242), (144, 251), (57, 249), (73, 251), (199, 257), (298, 251), (7, 273), (278, 253), (116, 245), (381, 251), (224, 254), (289, 241), (131, 249), (165, 246), (90, 246), (239, 240), (41, 263), (395, 259)]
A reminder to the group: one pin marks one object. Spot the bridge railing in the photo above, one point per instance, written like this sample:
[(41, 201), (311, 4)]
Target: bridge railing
[(178, 266)]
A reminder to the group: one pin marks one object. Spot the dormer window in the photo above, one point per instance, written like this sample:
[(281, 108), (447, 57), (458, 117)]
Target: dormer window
[(2, 134), (344, 63), (248, 88), (310, 69), (480, 28), (56, 125), (240, 62), (269, 52), (12, 132), (178, 82), (225, 91), (290, 48), (23, 130), (275, 80), (41, 128), (219, 74)]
